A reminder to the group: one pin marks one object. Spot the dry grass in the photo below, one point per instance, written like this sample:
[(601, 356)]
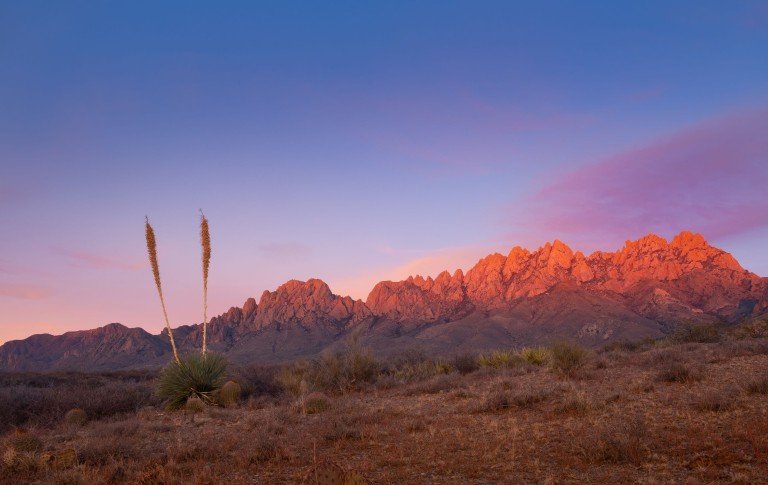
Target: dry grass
[(624, 425)]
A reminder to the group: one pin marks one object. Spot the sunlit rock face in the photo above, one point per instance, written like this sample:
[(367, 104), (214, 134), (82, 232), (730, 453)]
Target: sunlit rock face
[(645, 289)]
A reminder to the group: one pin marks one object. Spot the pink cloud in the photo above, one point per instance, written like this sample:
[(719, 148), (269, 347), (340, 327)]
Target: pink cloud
[(24, 292), (711, 178), (85, 259)]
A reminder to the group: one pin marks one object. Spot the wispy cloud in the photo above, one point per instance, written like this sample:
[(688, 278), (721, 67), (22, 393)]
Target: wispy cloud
[(711, 178), (285, 249), (83, 259), (25, 291)]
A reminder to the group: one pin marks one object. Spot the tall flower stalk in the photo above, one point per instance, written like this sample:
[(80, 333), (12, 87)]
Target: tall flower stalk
[(205, 241), (152, 251)]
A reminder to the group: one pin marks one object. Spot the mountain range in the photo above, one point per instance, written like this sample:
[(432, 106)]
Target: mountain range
[(648, 288)]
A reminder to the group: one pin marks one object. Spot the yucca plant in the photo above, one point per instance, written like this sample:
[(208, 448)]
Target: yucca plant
[(194, 376), (152, 252), (205, 242)]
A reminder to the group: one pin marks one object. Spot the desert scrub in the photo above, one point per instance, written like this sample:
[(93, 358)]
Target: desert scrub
[(536, 355), (337, 372), (315, 402), (758, 386), (75, 417), (499, 359), (567, 358), (465, 363), (194, 376), (679, 372)]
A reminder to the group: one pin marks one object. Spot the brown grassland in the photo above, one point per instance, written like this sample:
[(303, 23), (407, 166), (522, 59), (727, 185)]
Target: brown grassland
[(690, 409)]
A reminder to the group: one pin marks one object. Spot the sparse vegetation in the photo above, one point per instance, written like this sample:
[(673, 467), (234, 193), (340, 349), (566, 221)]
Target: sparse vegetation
[(76, 417), (567, 358), (435, 423), (193, 376), (465, 363), (679, 372), (536, 355)]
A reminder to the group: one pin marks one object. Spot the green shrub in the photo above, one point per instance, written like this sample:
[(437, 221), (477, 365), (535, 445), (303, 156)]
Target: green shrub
[(536, 355), (229, 394), (75, 417), (567, 358), (499, 359), (194, 376)]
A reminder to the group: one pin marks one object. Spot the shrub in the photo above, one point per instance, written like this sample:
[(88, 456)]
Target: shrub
[(229, 394), (193, 376), (707, 333), (339, 372), (499, 359), (416, 371), (758, 386), (618, 441), (316, 402), (567, 358), (465, 363), (503, 399), (24, 442), (716, 401), (76, 417), (679, 372), (536, 355)]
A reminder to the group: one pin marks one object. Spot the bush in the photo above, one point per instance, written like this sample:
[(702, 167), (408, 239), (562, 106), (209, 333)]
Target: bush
[(194, 376), (758, 386), (339, 372), (716, 401), (536, 355), (76, 417), (465, 363), (567, 358), (499, 359), (708, 333), (24, 442), (679, 372), (229, 394), (316, 402)]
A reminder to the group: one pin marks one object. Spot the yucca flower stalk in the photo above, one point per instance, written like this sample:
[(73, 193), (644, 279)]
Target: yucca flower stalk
[(152, 251), (205, 241)]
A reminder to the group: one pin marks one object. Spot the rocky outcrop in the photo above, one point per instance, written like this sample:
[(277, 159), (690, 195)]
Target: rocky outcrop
[(418, 300), (644, 289)]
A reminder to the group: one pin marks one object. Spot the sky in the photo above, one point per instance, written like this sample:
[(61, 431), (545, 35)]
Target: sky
[(360, 141)]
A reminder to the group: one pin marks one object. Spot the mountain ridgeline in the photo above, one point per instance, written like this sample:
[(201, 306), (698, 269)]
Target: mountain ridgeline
[(647, 289)]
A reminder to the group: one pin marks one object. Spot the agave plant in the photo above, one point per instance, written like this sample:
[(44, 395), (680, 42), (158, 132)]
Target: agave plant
[(195, 375)]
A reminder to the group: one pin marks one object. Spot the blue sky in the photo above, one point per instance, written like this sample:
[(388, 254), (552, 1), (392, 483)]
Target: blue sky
[(356, 141)]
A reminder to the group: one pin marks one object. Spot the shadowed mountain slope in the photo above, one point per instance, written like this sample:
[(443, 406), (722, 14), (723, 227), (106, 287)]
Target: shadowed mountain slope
[(646, 289)]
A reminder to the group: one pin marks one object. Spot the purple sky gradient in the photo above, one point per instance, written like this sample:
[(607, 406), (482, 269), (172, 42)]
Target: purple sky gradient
[(355, 142)]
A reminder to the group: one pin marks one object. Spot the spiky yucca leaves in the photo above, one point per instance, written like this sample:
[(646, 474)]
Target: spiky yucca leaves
[(205, 241), (152, 252), (193, 376)]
